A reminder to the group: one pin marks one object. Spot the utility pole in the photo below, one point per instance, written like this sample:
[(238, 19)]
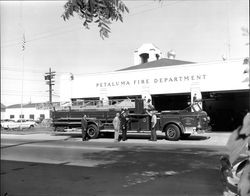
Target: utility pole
[(49, 76)]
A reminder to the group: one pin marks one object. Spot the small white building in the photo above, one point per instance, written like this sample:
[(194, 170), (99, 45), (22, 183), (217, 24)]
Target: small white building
[(27, 111)]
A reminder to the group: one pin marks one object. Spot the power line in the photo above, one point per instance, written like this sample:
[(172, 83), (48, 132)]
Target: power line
[(27, 95), (139, 6), (44, 36), (24, 93), (14, 68), (17, 40), (51, 33), (29, 71), (36, 80), (54, 34), (12, 90), (149, 10), (31, 91), (27, 92)]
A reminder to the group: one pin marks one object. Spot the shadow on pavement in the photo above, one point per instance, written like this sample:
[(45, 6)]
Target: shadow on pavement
[(196, 171), (142, 136), (134, 170), (197, 137)]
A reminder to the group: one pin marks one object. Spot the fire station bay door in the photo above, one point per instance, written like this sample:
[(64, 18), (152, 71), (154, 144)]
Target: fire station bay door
[(196, 95)]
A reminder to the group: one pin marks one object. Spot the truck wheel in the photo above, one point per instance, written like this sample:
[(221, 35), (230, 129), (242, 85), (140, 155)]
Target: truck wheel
[(172, 132), (92, 131)]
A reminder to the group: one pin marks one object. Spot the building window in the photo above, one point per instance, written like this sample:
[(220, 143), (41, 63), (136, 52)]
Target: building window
[(21, 116), (32, 116), (42, 116), (12, 116)]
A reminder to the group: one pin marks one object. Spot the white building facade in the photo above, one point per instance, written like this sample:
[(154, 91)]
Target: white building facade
[(208, 77), (27, 111)]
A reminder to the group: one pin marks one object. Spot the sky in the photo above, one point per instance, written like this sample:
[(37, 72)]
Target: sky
[(197, 30)]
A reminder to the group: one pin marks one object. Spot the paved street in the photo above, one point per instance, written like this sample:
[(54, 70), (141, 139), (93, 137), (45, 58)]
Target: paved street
[(41, 164)]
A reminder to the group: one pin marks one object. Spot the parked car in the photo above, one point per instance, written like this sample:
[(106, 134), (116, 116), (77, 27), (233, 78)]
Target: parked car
[(6, 123), (26, 123), (21, 123)]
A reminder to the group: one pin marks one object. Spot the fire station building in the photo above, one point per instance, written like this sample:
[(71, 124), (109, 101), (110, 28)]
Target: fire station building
[(223, 86)]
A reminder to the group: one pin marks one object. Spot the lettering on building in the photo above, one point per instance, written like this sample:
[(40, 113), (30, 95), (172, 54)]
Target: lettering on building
[(184, 78)]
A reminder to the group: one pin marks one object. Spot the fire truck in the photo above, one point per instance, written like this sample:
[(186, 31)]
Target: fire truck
[(175, 124)]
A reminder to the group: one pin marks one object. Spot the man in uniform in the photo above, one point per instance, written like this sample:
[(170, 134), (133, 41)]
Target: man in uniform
[(84, 128), (124, 125), (153, 126)]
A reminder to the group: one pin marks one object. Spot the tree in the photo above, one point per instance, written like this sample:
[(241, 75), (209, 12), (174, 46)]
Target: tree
[(101, 12)]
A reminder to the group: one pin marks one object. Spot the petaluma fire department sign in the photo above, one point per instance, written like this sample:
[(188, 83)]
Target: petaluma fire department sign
[(152, 80), (214, 76)]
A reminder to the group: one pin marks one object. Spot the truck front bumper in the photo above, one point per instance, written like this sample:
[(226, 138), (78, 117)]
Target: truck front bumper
[(195, 130)]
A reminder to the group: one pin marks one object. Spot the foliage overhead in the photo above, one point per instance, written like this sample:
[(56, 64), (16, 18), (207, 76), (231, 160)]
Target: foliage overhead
[(101, 12)]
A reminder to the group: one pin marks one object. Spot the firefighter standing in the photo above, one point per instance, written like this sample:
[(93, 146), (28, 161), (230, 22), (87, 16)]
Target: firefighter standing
[(84, 127), (116, 124), (153, 126), (124, 120)]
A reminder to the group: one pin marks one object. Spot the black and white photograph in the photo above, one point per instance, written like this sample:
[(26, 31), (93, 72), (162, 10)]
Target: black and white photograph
[(125, 98)]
